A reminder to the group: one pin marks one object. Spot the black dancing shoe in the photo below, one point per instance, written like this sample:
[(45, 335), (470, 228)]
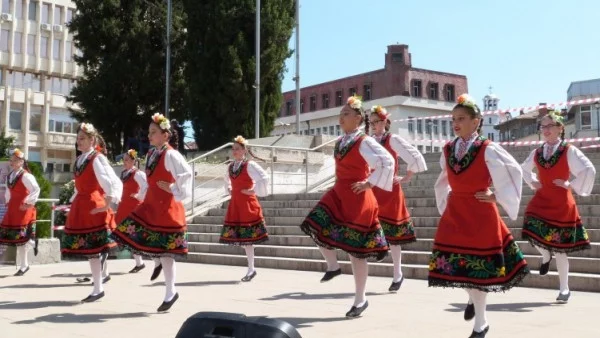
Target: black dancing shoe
[(35, 247), (137, 269), (329, 275), (545, 267), (21, 272), (249, 277), (480, 334), (563, 298), (156, 272), (396, 285), (356, 311), (469, 312), (380, 256), (90, 298), (167, 305)]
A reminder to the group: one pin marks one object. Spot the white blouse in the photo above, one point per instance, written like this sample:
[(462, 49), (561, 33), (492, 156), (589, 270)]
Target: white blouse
[(579, 165), (506, 176), (257, 174), (31, 185), (176, 164), (107, 178), (408, 153), (379, 160)]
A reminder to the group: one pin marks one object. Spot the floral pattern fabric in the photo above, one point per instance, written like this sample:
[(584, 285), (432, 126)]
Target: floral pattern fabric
[(397, 234), (340, 152), (147, 242), (87, 244), (553, 238), (459, 166), (244, 235), (17, 236), (549, 163)]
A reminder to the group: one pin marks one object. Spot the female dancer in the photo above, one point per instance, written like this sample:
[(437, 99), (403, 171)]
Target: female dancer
[(158, 228), (18, 224), (90, 219), (393, 214), (473, 249), (552, 223), (244, 223), (346, 217), (134, 191)]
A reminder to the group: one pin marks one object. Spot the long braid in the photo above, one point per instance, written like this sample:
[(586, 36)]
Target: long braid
[(365, 118), (249, 151)]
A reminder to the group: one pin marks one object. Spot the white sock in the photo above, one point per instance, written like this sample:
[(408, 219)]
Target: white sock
[(168, 265), (397, 259), (22, 260), (546, 256), (156, 262), (360, 270), (96, 267), (562, 265), (105, 269), (331, 258), (470, 301), (138, 260), (250, 254), (479, 301)]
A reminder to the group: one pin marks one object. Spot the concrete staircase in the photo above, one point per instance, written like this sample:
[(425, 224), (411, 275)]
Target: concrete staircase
[(289, 248)]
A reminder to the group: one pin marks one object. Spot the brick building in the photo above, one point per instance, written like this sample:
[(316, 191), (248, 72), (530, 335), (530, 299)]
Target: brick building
[(404, 90)]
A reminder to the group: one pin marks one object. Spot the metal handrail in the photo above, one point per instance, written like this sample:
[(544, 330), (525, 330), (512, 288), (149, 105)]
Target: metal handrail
[(53, 202)]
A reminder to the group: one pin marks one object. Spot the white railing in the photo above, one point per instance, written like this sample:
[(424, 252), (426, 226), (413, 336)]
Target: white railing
[(52, 202), (291, 170)]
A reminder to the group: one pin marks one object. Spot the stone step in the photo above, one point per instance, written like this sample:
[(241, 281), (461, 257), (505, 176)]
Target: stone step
[(420, 192), (422, 232), (430, 182), (577, 281), (422, 244), (589, 222), (584, 210), (576, 264)]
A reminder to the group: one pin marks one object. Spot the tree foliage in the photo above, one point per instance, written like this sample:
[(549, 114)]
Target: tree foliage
[(220, 70)]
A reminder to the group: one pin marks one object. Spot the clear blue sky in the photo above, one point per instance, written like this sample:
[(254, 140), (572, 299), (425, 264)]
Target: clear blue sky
[(529, 51)]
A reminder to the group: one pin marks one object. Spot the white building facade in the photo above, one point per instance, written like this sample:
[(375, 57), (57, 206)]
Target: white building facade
[(37, 73)]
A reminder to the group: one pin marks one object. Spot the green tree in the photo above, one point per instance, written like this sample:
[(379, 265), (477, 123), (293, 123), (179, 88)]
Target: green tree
[(122, 47), (43, 209), (220, 70), (6, 143)]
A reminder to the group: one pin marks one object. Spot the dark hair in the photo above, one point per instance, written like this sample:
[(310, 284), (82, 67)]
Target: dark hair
[(174, 138), (558, 123), (25, 165), (101, 143), (136, 161), (474, 112), (388, 122), (363, 116)]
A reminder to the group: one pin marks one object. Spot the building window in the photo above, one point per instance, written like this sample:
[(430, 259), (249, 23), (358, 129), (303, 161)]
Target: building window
[(435, 127), (428, 127), (14, 121), (367, 92), (44, 46), (420, 126), (433, 91), (451, 128), (4, 40), (58, 15), (288, 108), (69, 51), (19, 10), (352, 91), (35, 118), (32, 11), (416, 88), (301, 106), (491, 136), (313, 102), (325, 101), (17, 43), (585, 113), (398, 57), (45, 13), (445, 128), (331, 130), (6, 5), (31, 81), (312, 131), (31, 44), (339, 97), (338, 130), (449, 93), (56, 49), (411, 127), (69, 15)]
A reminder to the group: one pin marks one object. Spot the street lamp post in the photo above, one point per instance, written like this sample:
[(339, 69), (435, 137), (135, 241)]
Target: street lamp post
[(597, 106), (168, 65), (257, 82)]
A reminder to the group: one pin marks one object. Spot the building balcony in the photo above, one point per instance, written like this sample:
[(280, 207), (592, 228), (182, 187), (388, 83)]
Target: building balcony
[(61, 141)]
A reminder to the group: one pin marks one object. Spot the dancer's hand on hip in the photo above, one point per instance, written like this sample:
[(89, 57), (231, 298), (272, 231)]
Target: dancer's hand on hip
[(166, 186), (359, 187), (486, 196)]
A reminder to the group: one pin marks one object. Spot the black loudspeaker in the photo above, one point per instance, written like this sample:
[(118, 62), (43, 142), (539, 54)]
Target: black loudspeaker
[(229, 325)]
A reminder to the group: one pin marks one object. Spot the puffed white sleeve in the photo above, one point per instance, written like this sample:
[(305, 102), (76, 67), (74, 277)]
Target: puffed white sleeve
[(182, 172), (507, 177), (527, 167), (108, 179), (409, 154), (6, 194), (227, 181), (582, 169), (380, 161), (442, 187), (260, 178), (33, 188), (141, 180)]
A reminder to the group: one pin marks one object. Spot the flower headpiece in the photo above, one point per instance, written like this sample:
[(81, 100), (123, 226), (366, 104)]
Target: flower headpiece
[(87, 128), (132, 153), (240, 140), (380, 111), (18, 153), (467, 101), (556, 116), (355, 102), (162, 121)]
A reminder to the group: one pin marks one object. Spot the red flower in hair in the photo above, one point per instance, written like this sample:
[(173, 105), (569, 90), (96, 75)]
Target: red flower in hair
[(98, 148)]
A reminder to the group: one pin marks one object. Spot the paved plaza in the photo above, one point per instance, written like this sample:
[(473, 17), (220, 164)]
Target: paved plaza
[(45, 303)]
